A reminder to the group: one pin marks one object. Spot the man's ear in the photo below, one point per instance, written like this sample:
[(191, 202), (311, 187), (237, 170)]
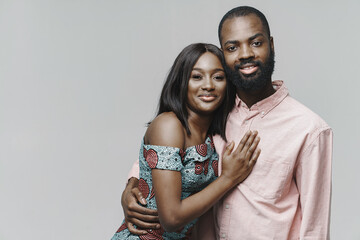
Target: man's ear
[(272, 43)]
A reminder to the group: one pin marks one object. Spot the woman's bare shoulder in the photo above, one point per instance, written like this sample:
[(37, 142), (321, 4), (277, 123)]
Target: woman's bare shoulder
[(166, 130)]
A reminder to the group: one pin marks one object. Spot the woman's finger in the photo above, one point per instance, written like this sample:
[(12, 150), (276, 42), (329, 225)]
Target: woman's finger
[(249, 142), (252, 148), (254, 158), (243, 142), (229, 148)]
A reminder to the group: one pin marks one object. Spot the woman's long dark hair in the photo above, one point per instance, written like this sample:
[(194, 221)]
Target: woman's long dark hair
[(174, 93)]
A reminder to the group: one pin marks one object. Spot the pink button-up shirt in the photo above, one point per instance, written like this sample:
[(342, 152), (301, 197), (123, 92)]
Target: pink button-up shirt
[(288, 193)]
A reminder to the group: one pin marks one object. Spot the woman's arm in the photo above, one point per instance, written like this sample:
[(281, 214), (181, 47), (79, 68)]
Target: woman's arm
[(175, 213)]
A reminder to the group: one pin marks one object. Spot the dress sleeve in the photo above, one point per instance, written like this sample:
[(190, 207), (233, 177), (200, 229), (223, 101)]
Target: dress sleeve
[(313, 178), (161, 157)]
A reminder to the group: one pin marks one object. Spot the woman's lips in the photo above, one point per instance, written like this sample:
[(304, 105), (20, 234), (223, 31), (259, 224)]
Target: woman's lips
[(207, 98)]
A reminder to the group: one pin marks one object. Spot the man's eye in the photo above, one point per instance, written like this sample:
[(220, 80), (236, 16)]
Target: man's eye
[(256, 44), (231, 48)]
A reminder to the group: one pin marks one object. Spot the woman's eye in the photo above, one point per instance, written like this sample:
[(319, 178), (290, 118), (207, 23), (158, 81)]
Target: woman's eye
[(196, 77), (220, 77)]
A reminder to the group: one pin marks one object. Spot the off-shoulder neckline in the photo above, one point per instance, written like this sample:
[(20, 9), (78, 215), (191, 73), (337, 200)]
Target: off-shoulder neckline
[(186, 149)]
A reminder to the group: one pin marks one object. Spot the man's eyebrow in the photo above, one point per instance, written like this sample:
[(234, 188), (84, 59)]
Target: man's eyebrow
[(231, 42), (250, 39), (255, 36)]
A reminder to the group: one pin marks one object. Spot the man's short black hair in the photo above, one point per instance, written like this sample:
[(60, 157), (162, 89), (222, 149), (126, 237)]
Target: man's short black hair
[(241, 12)]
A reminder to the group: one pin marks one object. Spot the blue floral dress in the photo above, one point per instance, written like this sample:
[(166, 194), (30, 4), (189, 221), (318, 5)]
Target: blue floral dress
[(198, 166)]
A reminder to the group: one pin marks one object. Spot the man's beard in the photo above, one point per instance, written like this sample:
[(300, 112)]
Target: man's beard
[(256, 80)]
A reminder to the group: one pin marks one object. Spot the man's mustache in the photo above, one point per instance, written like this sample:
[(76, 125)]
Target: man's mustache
[(246, 61)]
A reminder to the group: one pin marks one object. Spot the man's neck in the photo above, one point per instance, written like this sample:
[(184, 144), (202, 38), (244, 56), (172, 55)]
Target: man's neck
[(252, 97)]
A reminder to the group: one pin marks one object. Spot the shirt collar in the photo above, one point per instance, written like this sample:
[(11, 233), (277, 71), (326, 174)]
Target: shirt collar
[(266, 105)]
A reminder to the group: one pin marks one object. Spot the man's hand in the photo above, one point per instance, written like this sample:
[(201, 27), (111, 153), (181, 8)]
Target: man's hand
[(135, 214)]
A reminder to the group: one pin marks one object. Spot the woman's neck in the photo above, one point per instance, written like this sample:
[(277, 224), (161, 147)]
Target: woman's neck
[(199, 126)]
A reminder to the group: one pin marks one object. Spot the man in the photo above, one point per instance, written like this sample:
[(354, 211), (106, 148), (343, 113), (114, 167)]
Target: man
[(287, 195)]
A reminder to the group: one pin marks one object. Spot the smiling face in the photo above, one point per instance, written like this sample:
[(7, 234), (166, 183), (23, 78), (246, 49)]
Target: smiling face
[(248, 52), (207, 85)]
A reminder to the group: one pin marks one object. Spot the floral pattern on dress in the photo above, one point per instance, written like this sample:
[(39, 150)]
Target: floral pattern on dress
[(198, 167), (151, 157), (143, 187)]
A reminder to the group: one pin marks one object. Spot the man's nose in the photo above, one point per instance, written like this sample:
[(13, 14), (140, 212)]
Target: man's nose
[(245, 52)]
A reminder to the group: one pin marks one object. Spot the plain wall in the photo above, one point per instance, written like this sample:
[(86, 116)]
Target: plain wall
[(79, 80)]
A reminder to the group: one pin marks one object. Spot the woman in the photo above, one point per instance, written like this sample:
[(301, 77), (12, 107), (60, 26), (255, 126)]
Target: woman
[(178, 162)]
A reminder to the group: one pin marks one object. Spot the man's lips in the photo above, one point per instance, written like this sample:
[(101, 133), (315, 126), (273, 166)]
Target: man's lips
[(207, 97), (248, 69)]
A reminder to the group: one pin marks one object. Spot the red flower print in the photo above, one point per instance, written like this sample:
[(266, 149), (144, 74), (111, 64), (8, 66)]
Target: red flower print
[(215, 167), (199, 167), (152, 193), (153, 234), (182, 155), (143, 187), (121, 228), (151, 157), (212, 143), (206, 166), (201, 149)]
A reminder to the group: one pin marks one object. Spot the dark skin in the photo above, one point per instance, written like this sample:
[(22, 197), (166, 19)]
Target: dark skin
[(206, 88), (175, 213), (241, 38), (136, 214), (245, 38)]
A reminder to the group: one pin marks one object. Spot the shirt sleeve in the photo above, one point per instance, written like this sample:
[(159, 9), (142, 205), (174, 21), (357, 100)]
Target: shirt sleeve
[(134, 172), (313, 178)]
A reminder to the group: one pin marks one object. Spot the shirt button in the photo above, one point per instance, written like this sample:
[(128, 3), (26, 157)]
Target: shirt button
[(227, 206), (223, 235), (262, 113)]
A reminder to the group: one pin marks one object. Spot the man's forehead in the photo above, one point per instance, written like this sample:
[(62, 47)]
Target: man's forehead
[(242, 27)]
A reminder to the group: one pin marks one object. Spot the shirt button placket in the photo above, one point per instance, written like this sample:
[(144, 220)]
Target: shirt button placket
[(226, 221)]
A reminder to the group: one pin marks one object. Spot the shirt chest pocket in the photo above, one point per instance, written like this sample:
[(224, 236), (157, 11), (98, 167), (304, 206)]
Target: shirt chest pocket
[(268, 179)]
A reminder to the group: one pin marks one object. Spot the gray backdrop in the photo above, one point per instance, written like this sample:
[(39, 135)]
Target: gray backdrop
[(79, 80)]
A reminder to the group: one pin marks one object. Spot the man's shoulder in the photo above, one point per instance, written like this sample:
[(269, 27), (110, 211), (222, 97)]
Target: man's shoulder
[(302, 114)]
